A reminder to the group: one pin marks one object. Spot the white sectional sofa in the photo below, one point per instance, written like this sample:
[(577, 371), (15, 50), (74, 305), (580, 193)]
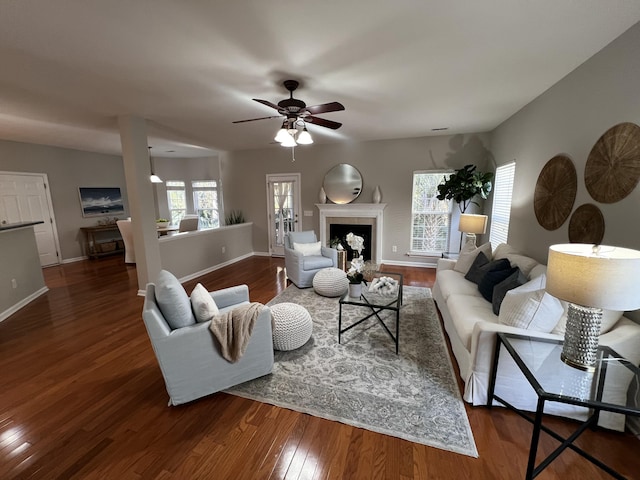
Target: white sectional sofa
[(471, 325)]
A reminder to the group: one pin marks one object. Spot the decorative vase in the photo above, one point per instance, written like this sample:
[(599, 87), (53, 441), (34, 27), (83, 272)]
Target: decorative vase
[(377, 194), (322, 196), (355, 290)]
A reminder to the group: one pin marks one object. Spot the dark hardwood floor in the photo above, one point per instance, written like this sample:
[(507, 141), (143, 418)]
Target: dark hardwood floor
[(83, 398)]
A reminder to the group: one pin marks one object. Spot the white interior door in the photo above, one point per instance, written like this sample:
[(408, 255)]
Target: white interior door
[(283, 203), (24, 198)]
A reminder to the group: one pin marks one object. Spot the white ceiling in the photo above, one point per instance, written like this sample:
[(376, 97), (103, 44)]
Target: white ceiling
[(69, 68)]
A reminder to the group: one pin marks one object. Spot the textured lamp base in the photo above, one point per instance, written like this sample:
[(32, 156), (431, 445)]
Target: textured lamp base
[(471, 238), (581, 337)]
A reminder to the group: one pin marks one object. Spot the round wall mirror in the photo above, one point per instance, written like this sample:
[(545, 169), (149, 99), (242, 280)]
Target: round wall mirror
[(342, 184)]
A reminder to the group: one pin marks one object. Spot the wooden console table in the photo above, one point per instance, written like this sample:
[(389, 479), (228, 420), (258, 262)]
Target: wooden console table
[(95, 247)]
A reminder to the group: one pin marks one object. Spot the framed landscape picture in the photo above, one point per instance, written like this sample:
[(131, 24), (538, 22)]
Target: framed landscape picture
[(97, 201)]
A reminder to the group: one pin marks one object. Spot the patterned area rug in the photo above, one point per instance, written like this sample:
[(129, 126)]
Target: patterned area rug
[(362, 382)]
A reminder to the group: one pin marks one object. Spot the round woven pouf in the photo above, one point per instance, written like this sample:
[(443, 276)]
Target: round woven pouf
[(330, 282), (292, 326)]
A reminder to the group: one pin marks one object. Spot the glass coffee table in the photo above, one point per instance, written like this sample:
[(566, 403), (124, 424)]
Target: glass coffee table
[(553, 381), (376, 302)]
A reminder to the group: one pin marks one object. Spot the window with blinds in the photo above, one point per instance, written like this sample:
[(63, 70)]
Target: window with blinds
[(502, 193)]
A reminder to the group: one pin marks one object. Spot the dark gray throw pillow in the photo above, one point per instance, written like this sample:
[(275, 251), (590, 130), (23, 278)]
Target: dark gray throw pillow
[(481, 265), (514, 280), (491, 279), (474, 270)]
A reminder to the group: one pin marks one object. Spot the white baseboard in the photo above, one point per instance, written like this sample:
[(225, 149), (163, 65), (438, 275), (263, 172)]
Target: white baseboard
[(262, 254), (191, 276), (401, 263), (75, 259), (22, 303)]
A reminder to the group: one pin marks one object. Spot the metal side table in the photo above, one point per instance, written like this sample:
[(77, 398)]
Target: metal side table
[(554, 381)]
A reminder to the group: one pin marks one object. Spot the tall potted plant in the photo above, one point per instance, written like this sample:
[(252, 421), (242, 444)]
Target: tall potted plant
[(463, 185)]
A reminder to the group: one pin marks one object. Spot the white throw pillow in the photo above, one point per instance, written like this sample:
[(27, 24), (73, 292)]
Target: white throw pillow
[(503, 251), (609, 319), (308, 249), (525, 264), (538, 270), (530, 307), (204, 307), (468, 254)]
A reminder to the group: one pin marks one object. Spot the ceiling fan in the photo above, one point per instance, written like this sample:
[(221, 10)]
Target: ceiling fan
[(297, 113)]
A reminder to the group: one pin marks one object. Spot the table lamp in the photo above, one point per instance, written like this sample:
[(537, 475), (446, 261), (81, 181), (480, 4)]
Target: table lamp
[(471, 224), (591, 278)]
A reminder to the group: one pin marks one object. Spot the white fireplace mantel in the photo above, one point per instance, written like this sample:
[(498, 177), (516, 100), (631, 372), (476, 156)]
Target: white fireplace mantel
[(354, 210)]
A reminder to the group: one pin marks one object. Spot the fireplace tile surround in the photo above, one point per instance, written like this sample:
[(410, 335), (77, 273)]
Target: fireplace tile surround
[(354, 214)]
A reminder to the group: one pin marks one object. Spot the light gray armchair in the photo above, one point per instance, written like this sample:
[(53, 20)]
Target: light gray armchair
[(190, 358), (300, 268)]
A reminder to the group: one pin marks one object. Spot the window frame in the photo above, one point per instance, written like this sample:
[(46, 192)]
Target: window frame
[(207, 186), (176, 186), (448, 213)]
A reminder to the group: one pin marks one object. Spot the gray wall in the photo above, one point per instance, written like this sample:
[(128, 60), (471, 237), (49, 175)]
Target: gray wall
[(388, 163), (69, 169), (205, 168), (204, 250), (569, 118), (20, 261)]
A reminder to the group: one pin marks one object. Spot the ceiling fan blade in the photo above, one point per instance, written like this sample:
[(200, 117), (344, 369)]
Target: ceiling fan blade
[(325, 108), (323, 122), (268, 104), (254, 119)]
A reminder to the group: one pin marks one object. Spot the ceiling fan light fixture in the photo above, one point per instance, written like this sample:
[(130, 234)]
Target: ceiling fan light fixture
[(289, 141), (296, 112), (282, 133), (304, 137)]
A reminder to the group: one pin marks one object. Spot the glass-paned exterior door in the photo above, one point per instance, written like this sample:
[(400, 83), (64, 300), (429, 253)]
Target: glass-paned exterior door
[(284, 206)]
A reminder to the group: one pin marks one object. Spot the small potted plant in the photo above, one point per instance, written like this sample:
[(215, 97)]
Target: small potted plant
[(354, 274), (162, 223), (355, 277)]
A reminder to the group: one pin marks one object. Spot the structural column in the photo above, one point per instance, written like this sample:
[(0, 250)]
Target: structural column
[(135, 155)]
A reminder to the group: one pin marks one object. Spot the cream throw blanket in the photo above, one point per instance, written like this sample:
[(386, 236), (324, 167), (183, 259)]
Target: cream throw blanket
[(233, 329)]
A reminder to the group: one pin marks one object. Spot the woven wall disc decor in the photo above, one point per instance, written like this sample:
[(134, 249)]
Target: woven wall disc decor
[(555, 192), (613, 167), (586, 225)]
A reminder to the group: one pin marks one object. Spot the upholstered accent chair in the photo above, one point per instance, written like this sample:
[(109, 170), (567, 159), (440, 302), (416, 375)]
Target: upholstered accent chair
[(126, 233), (189, 223), (189, 356), (304, 257)]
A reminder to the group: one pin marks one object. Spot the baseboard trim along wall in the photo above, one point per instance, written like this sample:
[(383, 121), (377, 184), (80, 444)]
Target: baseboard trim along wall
[(14, 308)]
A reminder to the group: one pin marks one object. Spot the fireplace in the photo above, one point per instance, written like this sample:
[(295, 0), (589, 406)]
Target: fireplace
[(354, 216), (341, 230)]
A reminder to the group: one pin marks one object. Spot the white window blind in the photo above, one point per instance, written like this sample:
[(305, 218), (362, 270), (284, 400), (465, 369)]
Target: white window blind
[(502, 193)]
